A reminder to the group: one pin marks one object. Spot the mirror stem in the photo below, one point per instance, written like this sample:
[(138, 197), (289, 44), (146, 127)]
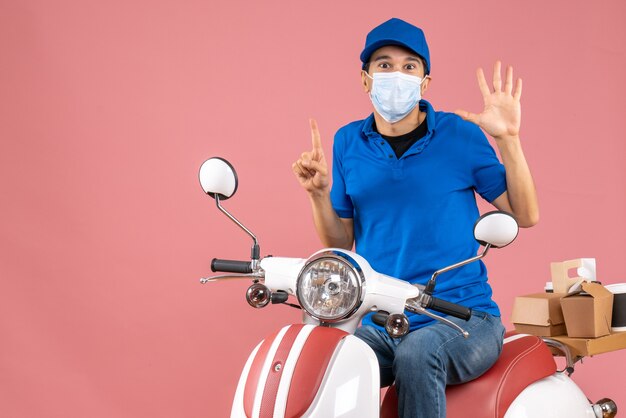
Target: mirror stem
[(430, 286), (256, 252)]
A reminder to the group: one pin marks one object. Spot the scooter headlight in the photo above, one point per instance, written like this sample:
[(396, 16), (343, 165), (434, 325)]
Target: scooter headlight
[(330, 286)]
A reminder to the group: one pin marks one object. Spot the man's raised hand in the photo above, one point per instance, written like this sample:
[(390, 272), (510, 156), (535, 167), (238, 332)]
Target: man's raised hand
[(311, 169), (502, 115)]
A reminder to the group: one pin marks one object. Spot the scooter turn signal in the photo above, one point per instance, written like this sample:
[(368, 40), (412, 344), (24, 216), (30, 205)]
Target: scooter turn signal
[(258, 295), (397, 325)]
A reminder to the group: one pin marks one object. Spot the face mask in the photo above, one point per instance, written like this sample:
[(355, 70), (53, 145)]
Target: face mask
[(395, 95)]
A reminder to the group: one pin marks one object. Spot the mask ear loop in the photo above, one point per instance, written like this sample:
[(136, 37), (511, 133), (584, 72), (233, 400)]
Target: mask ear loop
[(372, 83)]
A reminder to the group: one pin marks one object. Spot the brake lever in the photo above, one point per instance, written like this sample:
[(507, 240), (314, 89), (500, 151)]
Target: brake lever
[(256, 276), (413, 306)]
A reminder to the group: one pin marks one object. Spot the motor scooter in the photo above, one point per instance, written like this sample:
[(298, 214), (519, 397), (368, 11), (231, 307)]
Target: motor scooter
[(318, 368)]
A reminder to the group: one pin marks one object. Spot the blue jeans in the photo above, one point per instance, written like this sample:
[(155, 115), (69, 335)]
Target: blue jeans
[(424, 361)]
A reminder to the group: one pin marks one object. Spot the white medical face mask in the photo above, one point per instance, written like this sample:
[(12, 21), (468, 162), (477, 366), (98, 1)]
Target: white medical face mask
[(395, 95)]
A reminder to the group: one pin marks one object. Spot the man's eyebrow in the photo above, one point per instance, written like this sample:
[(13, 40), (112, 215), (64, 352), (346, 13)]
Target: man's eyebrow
[(382, 57), (408, 58)]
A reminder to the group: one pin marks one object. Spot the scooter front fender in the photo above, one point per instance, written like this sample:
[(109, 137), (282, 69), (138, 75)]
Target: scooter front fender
[(309, 371)]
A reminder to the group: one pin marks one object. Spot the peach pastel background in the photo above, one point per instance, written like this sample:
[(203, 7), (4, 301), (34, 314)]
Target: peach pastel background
[(108, 108)]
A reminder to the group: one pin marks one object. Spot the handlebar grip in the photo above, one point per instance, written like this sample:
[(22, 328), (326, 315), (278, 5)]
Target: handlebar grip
[(449, 308), (231, 266), (380, 318)]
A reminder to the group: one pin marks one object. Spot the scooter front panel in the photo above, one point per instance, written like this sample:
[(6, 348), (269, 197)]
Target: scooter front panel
[(284, 374), (310, 368), (351, 385), (258, 373), (281, 368)]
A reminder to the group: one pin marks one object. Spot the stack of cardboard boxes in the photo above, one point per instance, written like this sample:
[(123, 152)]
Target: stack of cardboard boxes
[(578, 312)]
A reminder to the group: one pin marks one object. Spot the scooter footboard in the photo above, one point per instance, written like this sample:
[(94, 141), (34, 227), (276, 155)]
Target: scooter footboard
[(309, 371)]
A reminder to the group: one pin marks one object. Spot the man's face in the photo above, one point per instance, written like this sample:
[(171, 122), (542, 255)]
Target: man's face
[(394, 58)]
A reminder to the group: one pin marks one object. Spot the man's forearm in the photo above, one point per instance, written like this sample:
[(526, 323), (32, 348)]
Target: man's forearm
[(331, 230), (520, 185)]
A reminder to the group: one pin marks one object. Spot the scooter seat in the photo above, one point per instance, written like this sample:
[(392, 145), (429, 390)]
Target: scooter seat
[(524, 360)]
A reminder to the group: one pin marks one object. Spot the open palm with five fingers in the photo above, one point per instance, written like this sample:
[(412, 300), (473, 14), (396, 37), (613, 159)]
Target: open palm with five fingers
[(311, 169), (502, 115)]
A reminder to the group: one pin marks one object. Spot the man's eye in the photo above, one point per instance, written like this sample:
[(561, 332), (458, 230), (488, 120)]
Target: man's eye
[(384, 65), (410, 66)]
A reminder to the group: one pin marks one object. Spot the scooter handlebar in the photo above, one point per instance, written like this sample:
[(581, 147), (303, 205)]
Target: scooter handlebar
[(231, 266), (449, 308)]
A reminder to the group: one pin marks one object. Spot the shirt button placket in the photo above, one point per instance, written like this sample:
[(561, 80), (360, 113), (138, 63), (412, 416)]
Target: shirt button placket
[(386, 148)]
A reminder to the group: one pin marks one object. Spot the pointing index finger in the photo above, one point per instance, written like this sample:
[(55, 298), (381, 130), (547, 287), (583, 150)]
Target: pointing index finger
[(315, 136)]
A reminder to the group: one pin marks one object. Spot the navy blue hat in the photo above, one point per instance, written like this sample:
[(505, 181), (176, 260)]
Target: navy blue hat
[(396, 32)]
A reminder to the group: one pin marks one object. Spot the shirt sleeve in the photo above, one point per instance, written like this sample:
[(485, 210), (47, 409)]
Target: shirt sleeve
[(338, 196), (488, 173)]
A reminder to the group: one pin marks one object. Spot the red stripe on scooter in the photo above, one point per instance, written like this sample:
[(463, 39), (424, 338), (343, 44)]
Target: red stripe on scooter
[(273, 379), (255, 373), (311, 368)]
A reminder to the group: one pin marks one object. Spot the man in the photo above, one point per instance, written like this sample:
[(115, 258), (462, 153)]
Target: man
[(403, 191)]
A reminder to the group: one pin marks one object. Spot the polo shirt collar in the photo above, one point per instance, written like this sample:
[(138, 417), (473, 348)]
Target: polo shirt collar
[(368, 132)]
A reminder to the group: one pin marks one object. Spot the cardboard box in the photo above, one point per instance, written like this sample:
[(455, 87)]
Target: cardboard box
[(583, 347), (539, 314), (588, 313)]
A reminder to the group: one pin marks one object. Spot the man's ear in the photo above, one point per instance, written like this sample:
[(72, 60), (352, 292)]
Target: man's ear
[(366, 82), (425, 84)]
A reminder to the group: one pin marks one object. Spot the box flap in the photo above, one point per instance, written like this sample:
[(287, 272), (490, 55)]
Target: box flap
[(597, 290)]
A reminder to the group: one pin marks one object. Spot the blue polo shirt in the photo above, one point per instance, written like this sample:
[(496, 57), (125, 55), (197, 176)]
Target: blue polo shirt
[(416, 214)]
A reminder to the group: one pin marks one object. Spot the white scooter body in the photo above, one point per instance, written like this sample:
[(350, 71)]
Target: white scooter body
[(350, 386)]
